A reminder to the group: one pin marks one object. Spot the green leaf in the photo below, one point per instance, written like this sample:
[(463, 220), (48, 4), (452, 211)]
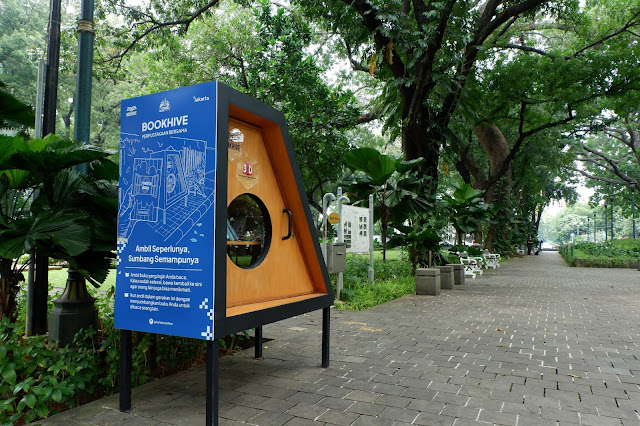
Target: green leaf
[(43, 410), (104, 169), (11, 109), (378, 167), (404, 166), (9, 375), (30, 400), (51, 231)]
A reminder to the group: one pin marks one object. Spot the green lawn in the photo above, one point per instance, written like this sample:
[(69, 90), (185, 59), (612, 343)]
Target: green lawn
[(395, 254), (58, 277)]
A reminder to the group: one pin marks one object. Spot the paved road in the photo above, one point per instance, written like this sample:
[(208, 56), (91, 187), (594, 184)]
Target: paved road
[(532, 343)]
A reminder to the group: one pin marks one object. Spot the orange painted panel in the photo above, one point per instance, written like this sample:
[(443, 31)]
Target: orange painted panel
[(283, 273)]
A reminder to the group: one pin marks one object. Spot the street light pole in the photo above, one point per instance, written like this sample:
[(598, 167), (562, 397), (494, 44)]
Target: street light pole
[(606, 226), (595, 239), (588, 223), (577, 230), (76, 309), (37, 315), (633, 212), (611, 218)]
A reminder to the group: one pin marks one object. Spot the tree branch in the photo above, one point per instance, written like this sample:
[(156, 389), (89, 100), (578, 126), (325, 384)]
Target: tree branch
[(373, 24), (632, 22), (607, 180), (355, 65), (158, 25), (517, 146), (526, 49)]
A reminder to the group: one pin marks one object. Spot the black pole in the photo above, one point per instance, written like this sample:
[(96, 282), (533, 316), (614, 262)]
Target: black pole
[(258, 343), (606, 226), (53, 63), (38, 315), (125, 370), (595, 240), (78, 312), (612, 219), (633, 212), (212, 383), (326, 319)]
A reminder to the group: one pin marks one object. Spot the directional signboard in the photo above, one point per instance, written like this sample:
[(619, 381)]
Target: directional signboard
[(165, 278)]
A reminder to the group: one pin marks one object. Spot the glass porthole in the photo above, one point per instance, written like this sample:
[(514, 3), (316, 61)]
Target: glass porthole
[(248, 231)]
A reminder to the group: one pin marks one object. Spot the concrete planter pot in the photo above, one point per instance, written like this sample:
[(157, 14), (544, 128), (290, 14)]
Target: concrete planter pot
[(428, 282)]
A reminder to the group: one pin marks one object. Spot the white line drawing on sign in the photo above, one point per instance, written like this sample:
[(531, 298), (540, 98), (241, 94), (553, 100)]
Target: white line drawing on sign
[(168, 189)]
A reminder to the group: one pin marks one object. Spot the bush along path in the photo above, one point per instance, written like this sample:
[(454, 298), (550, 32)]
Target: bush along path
[(610, 254)]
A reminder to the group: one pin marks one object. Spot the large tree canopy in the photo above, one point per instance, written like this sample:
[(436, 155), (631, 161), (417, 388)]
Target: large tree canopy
[(492, 88)]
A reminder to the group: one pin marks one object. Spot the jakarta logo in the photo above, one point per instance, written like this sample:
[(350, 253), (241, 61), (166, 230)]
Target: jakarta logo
[(164, 105)]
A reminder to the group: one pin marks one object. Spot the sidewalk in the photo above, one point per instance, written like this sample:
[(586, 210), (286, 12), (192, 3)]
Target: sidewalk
[(532, 343)]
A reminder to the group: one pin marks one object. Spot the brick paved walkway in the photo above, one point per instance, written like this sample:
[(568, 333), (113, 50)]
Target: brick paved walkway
[(532, 343)]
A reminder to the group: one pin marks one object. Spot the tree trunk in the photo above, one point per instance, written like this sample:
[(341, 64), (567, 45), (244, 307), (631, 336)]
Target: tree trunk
[(9, 287), (421, 139), (497, 188)]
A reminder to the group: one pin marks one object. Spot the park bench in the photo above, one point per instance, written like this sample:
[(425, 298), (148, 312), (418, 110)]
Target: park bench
[(520, 250), (472, 265), (491, 260)]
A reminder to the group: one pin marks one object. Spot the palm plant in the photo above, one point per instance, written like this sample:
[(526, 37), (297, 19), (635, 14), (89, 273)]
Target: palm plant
[(52, 210), (467, 208), (392, 183)]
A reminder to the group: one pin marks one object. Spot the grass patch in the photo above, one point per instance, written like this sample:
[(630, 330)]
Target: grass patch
[(395, 254), (58, 277), (610, 254), (362, 296), (392, 279)]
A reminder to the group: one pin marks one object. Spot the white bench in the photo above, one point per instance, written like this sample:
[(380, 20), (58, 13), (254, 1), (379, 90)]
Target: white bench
[(472, 265), (491, 260)]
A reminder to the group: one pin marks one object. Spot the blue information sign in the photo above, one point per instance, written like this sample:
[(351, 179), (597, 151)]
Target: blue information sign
[(165, 277)]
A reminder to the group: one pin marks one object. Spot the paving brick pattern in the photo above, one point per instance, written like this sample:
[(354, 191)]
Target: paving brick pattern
[(531, 343)]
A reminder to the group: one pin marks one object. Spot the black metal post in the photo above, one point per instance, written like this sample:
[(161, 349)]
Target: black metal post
[(212, 383), (611, 219), (53, 63), (125, 370), (37, 318), (588, 223), (258, 343), (595, 239), (38, 315), (633, 212), (606, 226), (326, 320)]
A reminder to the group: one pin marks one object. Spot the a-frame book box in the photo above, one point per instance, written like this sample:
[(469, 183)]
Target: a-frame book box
[(215, 235)]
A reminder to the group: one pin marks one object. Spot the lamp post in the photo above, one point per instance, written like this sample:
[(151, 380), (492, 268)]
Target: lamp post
[(611, 205), (588, 223), (76, 309), (595, 240), (606, 227), (633, 212)]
